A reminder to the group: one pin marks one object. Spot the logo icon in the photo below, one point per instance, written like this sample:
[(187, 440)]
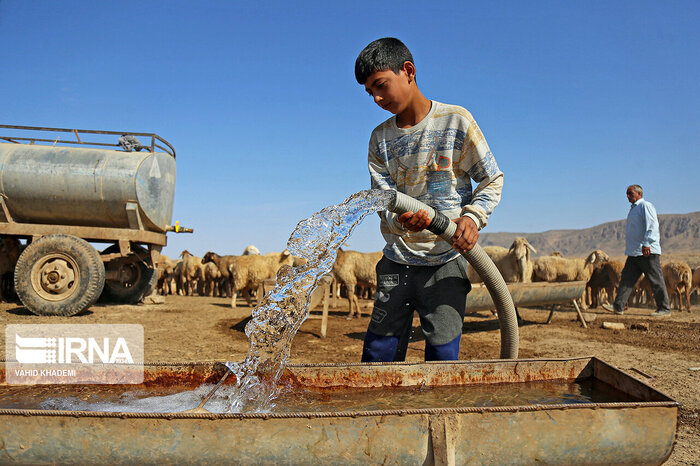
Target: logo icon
[(34, 350), (74, 353)]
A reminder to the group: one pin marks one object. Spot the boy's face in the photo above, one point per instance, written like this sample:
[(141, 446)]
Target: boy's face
[(391, 91)]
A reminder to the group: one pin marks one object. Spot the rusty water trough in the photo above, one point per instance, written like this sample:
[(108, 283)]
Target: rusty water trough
[(641, 431)]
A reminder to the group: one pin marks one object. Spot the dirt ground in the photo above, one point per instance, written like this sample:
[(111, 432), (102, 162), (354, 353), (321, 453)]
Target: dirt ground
[(666, 356)]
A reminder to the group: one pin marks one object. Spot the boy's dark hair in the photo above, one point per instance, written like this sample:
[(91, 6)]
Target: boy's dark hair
[(382, 54)]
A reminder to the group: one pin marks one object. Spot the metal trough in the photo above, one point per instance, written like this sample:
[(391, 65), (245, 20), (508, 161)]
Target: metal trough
[(615, 432), (536, 294), (527, 294)]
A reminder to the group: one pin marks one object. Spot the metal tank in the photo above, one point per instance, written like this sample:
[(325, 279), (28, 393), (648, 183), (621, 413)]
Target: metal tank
[(87, 186), (60, 194)]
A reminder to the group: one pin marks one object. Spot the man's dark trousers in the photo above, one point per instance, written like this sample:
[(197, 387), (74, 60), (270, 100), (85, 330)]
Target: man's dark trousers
[(635, 266)]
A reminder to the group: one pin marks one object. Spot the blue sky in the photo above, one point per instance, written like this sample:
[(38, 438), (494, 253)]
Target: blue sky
[(576, 100)]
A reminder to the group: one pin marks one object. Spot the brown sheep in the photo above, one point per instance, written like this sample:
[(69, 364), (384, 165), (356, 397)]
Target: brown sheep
[(596, 287), (10, 249), (606, 279), (643, 294), (352, 268), (166, 272), (223, 263), (696, 281), (678, 277)]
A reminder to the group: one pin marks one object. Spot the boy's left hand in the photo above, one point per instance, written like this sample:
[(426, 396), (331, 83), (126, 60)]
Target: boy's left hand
[(415, 222), (466, 234)]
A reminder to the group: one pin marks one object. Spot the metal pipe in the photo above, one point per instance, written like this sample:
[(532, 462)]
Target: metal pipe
[(483, 265)]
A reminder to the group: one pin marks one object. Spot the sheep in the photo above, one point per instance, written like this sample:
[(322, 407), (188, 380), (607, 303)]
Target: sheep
[(596, 286), (696, 281), (514, 263), (560, 269), (209, 276), (250, 271), (10, 249), (223, 263), (251, 250), (189, 272), (643, 293), (605, 278), (166, 271), (678, 279), (352, 268), (177, 278)]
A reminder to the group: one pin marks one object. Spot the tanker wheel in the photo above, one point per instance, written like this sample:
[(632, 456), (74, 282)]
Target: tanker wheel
[(59, 275), (136, 279)]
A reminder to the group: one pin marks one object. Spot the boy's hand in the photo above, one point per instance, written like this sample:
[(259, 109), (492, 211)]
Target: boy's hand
[(466, 234), (415, 222)]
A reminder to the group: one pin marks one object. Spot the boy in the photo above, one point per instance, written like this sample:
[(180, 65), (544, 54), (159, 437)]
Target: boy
[(430, 151)]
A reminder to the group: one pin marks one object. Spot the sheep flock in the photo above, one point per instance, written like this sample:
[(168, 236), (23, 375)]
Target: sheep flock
[(353, 275), (242, 276)]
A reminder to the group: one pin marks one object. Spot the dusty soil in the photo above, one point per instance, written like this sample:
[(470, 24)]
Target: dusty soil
[(666, 356)]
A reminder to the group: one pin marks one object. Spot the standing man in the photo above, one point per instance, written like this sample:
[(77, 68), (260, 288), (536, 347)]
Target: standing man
[(643, 253)]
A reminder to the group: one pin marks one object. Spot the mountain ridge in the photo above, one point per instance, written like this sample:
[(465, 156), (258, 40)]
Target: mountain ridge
[(680, 233)]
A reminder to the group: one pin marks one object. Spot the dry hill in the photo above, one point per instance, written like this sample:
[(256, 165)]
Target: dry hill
[(680, 234)]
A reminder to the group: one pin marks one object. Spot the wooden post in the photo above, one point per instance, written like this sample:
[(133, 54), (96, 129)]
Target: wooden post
[(324, 317)]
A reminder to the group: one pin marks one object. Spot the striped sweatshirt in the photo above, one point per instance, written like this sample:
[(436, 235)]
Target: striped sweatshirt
[(434, 162)]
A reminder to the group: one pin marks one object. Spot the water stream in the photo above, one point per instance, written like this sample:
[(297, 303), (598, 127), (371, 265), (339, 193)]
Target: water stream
[(276, 320)]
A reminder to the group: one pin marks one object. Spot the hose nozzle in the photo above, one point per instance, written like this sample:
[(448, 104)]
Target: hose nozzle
[(439, 223)]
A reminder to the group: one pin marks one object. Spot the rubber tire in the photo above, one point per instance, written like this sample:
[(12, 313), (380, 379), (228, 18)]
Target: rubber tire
[(148, 279), (89, 286)]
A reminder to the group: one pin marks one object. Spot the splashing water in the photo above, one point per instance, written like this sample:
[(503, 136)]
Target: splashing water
[(276, 320)]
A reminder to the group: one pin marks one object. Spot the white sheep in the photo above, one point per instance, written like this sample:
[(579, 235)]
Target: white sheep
[(189, 272), (678, 278), (250, 271), (353, 268), (514, 264), (209, 276), (251, 250), (561, 269)]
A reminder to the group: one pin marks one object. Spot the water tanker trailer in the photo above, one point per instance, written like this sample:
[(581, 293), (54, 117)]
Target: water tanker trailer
[(60, 194)]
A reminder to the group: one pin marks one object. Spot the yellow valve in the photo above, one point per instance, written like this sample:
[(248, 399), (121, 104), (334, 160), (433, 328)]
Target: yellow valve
[(177, 226)]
